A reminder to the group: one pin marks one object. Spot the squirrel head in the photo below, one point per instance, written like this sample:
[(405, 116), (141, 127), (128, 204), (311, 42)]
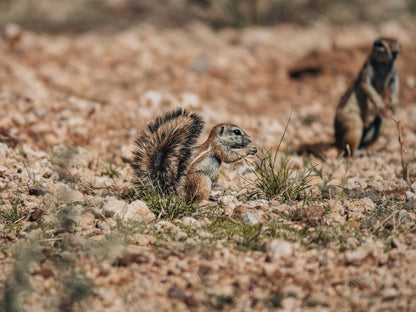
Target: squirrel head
[(229, 135), (386, 50)]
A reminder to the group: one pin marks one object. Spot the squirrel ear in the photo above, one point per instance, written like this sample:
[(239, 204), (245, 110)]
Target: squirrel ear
[(221, 131)]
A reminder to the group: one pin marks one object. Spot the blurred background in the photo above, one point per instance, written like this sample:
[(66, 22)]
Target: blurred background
[(84, 15)]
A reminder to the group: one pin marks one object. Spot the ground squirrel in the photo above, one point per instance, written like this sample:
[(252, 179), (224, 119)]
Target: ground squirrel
[(166, 158), (358, 116)]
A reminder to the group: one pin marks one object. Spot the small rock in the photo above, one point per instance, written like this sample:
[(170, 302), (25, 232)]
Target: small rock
[(13, 32), (251, 218), (176, 293), (39, 112), (409, 205), (143, 239), (4, 150), (113, 206), (413, 186), (356, 257), (227, 199), (103, 225), (99, 182), (94, 201), (219, 296), (411, 81), (164, 226), (314, 215), (291, 304), (37, 190), (205, 235), (410, 195), (382, 259), (201, 65), (132, 133), (279, 248), (67, 195), (36, 214), (137, 211), (356, 183), (294, 291), (192, 222), (257, 204), (126, 153), (190, 100), (181, 236), (407, 219), (390, 293), (111, 222)]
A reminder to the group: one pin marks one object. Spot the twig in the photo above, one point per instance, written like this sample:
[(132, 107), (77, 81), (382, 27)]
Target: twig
[(387, 219), (402, 148)]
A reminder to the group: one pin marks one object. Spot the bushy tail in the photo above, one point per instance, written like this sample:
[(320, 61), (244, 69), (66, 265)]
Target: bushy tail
[(164, 150)]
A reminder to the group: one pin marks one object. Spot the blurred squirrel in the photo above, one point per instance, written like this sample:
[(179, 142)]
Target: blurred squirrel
[(167, 160), (358, 116)]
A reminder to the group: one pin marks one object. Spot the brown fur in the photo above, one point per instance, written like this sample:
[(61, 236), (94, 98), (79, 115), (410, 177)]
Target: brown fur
[(358, 116), (167, 160), (222, 145), (164, 150)]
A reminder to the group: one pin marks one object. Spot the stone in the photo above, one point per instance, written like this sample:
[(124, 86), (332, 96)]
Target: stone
[(279, 248), (67, 195), (410, 195), (126, 153), (205, 235), (227, 199), (390, 293), (251, 218), (356, 257), (113, 206), (37, 190), (181, 236), (4, 150), (103, 225), (192, 222), (165, 226), (137, 211)]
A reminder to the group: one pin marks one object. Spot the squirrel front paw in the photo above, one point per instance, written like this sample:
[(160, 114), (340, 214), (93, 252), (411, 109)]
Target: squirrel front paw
[(393, 105), (251, 150)]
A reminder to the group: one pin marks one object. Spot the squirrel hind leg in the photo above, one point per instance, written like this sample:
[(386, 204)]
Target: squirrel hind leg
[(371, 133), (348, 133), (198, 186)]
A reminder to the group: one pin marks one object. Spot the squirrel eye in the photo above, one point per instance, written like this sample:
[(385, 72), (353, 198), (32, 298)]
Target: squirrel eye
[(237, 132)]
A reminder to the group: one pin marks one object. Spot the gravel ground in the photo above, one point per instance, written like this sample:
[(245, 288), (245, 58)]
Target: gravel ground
[(74, 239)]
